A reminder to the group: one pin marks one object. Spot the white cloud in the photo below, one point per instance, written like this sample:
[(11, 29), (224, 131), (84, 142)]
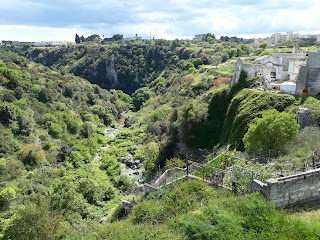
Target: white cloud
[(61, 19), (33, 33)]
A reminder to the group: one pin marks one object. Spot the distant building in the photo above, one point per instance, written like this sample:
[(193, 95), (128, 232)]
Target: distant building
[(50, 43), (135, 38), (278, 38), (36, 44), (273, 68), (300, 71)]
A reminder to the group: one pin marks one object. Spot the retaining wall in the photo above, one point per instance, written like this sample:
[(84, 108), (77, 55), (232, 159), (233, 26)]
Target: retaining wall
[(299, 188)]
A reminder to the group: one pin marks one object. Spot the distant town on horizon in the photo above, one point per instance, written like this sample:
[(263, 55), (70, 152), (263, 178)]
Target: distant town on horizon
[(275, 38)]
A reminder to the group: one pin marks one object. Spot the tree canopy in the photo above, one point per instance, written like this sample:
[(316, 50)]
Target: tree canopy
[(270, 132), (263, 45), (77, 39)]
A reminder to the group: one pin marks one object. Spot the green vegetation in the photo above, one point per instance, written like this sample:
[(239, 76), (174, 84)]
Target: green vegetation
[(52, 126), (193, 210), (271, 132), (61, 170)]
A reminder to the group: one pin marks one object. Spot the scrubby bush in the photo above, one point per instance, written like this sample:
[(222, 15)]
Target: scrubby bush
[(6, 197), (32, 155), (33, 221)]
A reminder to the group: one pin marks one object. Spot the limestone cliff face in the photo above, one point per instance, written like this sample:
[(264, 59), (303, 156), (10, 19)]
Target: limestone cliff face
[(126, 67)]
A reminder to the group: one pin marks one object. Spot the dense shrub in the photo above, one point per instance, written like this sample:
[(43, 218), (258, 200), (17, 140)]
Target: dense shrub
[(33, 221), (6, 197), (32, 155), (271, 132)]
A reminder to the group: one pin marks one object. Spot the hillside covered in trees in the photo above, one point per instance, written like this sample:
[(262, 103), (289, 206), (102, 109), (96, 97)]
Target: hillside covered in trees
[(62, 177)]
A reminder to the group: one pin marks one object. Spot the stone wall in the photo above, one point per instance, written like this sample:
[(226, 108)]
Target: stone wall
[(276, 67), (148, 188), (299, 188)]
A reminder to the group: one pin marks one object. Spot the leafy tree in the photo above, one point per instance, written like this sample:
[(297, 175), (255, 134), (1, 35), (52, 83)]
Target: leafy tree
[(288, 43), (93, 38), (270, 132), (83, 39), (239, 51), (188, 65), (245, 48), (103, 114), (225, 38), (57, 128), (46, 95), (209, 37), (263, 45), (217, 59), (6, 197), (175, 43), (8, 143), (77, 39), (140, 96), (25, 125), (197, 62), (225, 57), (117, 37), (175, 162), (232, 52), (19, 92), (32, 154), (10, 169), (7, 114), (88, 129)]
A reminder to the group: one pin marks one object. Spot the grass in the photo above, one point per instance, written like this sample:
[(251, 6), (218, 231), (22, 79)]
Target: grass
[(193, 210)]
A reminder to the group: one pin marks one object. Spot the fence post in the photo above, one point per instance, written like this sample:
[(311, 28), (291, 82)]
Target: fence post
[(165, 177), (202, 173), (187, 167), (313, 162)]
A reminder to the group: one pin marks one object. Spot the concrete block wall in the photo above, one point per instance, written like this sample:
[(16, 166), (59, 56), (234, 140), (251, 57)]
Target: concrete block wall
[(299, 188)]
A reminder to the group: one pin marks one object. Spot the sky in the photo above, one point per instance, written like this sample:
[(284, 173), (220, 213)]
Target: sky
[(60, 20)]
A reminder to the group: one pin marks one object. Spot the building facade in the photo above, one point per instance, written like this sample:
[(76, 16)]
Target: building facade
[(271, 68)]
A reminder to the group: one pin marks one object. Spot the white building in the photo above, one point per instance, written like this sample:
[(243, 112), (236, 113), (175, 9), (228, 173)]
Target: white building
[(288, 87), (272, 68)]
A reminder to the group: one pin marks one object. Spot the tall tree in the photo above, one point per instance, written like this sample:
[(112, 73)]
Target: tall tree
[(83, 39), (77, 39), (117, 37), (217, 59)]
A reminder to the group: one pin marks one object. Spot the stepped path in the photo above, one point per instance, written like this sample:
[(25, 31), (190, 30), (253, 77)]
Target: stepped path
[(195, 170)]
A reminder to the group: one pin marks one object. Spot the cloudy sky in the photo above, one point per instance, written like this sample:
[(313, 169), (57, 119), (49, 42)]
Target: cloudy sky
[(42, 20)]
